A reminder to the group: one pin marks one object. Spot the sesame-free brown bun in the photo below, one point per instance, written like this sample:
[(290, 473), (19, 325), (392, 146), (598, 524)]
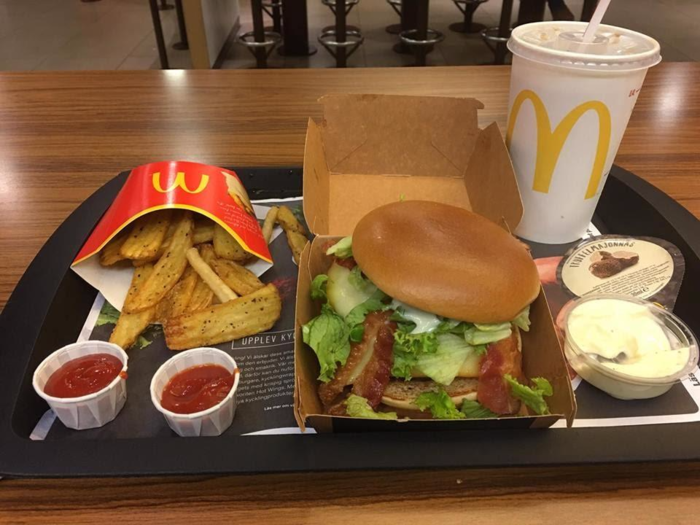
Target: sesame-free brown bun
[(445, 260)]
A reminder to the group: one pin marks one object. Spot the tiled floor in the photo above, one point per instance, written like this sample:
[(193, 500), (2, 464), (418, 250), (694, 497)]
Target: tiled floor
[(118, 34)]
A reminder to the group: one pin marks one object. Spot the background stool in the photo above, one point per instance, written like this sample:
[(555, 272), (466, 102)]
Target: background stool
[(394, 29), (273, 8), (468, 7), (258, 41), (340, 40), (420, 39), (496, 38)]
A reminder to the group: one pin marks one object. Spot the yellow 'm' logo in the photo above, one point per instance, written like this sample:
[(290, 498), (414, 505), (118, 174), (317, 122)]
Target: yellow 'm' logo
[(179, 182), (550, 143)]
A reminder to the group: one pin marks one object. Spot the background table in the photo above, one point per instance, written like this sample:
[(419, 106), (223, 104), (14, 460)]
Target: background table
[(62, 135)]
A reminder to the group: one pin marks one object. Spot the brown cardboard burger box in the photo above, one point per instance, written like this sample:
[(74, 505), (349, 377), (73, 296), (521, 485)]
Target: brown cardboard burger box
[(371, 150)]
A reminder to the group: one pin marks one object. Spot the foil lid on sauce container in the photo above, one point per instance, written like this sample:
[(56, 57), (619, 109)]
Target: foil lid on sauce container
[(642, 267)]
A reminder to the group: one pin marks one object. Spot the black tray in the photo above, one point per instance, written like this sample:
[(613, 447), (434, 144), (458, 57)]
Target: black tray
[(50, 303)]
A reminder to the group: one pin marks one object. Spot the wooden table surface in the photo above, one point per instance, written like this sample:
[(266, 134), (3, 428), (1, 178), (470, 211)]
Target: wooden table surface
[(62, 135)]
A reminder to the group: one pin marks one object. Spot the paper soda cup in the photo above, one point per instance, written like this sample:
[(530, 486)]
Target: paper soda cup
[(90, 411), (210, 422), (569, 106)]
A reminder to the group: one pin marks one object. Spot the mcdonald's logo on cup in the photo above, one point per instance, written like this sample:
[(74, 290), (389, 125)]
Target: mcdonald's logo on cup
[(179, 182), (550, 142)]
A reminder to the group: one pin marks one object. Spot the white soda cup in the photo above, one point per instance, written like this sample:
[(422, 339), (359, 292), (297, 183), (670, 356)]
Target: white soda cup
[(569, 106)]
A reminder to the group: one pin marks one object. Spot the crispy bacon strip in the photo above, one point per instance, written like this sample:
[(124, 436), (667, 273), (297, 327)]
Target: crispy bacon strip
[(369, 364), (502, 357)]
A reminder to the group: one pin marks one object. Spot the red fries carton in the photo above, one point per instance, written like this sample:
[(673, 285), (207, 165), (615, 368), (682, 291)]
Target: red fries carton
[(213, 192)]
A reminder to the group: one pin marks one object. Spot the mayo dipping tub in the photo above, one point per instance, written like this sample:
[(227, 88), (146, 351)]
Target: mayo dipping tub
[(628, 347)]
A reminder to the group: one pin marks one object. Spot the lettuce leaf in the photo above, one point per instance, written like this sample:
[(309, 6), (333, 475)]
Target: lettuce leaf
[(408, 347), (328, 336), (475, 410), (523, 320), (475, 336), (357, 406), (342, 249), (318, 287), (533, 397), (357, 315), (440, 405), (442, 366), (358, 280), (404, 363), (108, 315), (424, 343)]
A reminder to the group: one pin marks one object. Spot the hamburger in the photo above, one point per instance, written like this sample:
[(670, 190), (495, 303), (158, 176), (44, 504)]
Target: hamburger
[(421, 315)]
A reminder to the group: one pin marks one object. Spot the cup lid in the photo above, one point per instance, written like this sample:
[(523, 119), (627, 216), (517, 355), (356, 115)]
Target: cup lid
[(559, 43)]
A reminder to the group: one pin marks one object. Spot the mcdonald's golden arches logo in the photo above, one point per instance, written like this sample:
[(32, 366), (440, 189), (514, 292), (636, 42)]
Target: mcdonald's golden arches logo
[(550, 143), (179, 183)]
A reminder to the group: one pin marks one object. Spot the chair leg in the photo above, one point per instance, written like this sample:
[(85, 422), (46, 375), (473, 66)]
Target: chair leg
[(468, 25), (158, 31), (259, 33), (341, 57), (421, 31), (504, 31)]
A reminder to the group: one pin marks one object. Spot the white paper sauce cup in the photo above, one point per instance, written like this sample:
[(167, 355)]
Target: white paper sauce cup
[(90, 411), (210, 422)]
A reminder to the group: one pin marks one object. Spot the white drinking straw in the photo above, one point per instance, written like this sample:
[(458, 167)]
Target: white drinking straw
[(597, 17)]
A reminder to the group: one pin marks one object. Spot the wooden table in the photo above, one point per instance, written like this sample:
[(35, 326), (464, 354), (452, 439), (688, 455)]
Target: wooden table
[(62, 135)]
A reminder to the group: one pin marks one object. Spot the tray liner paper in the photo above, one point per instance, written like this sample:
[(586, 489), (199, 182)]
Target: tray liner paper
[(214, 192)]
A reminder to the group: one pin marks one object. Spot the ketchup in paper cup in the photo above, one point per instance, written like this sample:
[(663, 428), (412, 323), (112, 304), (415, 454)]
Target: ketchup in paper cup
[(84, 383), (190, 370)]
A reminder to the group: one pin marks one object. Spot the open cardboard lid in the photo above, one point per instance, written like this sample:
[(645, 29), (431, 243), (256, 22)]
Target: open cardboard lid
[(371, 150)]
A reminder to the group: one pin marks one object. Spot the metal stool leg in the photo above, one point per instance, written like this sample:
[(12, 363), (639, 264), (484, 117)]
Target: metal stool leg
[(183, 43), (504, 31), (421, 30), (158, 31), (468, 25), (496, 38), (421, 39), (394, 29), (259, 33), (273, 8), (258, 41), (341, 40), (341, 58)]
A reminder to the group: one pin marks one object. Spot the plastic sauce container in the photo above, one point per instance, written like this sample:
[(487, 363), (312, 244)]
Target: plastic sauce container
[(628, 347), (91, 410), (210, 422)]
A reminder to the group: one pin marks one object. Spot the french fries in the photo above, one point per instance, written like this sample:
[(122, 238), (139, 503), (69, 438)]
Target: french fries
[(111, 253), (146, 236), (207, 253), (227, 247), (237, 277), (130, 326), (219, 287), (248, 315), (203, 231), (189, 275), (296, 233), (177, 300), (202, 296), (167, 271), (269, 224)]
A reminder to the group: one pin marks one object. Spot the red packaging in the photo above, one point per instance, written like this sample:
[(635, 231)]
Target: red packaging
[(214, 192)]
